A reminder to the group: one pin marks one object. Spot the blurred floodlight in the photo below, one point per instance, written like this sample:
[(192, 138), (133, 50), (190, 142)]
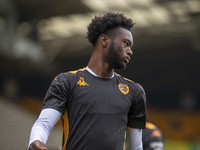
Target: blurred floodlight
[(25, 48), (106, 4), (63, 26), (145, 13)]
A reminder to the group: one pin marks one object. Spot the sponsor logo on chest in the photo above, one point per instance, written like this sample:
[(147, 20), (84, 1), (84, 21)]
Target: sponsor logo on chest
[(81, 82)]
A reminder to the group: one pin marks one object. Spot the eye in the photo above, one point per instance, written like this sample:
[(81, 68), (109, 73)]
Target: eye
[(126, 43)]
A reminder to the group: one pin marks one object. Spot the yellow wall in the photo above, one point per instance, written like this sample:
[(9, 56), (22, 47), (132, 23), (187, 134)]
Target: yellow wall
[(176, 125)]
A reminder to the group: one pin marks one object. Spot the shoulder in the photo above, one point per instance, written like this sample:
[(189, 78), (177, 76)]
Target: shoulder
[(126, 80), (150, 125), (153, 129), (131, 83), (76, 71), (67, 77), (68, 74)]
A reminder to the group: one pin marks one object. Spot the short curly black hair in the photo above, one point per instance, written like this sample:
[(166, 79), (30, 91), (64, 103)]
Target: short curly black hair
[(101, 24)]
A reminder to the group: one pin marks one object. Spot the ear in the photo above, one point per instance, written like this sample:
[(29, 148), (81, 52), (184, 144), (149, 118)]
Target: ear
[(104, 40)]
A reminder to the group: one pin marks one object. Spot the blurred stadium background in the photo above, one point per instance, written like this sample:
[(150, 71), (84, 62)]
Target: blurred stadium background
[(41, 38)]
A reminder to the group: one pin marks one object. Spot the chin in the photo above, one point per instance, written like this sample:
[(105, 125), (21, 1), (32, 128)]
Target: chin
[(120, 67)]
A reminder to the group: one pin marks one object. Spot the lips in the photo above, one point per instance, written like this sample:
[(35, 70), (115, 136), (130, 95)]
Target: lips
[(126, 60)]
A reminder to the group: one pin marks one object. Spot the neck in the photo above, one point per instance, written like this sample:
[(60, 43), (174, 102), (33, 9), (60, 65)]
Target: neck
[(99, 66)]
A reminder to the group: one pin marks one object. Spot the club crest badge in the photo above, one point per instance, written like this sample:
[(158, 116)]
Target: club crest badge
[(123, 88)]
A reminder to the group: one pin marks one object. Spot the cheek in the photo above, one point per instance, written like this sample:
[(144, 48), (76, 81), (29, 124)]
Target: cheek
[(122, 52)]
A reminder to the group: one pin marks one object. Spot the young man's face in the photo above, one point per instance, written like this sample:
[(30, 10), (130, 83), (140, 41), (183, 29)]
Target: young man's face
[(119, 51)]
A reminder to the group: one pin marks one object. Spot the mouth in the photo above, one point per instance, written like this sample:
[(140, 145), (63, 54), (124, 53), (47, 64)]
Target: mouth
[(126, 60)]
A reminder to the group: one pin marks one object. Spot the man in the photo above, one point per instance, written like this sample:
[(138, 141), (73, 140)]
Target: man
[(152, 137), (95, 103)]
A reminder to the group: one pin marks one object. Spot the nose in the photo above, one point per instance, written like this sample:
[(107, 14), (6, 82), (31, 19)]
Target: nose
[(129, 52)]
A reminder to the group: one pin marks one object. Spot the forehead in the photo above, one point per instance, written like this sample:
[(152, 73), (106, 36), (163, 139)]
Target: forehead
[(122, 33)]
